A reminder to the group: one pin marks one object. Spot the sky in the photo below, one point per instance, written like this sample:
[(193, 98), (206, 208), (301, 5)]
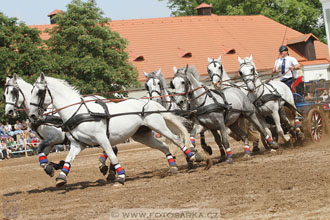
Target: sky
[(33, 12)]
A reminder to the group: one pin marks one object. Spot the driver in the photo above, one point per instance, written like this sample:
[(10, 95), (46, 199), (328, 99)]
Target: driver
[(287, 66)]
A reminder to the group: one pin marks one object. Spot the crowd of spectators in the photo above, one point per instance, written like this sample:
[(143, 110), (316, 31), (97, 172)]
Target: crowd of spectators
[(14, 138)]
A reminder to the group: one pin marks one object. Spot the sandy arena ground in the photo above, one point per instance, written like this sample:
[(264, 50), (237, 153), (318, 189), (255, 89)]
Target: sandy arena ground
[(293, 183)]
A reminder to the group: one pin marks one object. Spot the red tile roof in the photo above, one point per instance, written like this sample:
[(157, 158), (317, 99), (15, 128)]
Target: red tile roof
[(163, 41)]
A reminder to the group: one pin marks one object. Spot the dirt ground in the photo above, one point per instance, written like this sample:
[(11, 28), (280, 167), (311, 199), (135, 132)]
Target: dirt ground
[(293, 183)]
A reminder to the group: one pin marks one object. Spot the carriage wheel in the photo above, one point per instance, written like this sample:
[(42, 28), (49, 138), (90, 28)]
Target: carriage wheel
[(316, 124)]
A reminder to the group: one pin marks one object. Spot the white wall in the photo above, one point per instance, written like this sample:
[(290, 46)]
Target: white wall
[(316, 72)]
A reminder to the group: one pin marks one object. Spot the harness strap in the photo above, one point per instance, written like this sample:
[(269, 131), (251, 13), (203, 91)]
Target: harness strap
[(106, 110)]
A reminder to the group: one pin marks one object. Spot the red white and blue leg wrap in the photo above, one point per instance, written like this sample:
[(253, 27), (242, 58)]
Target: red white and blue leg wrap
[(297, 123), (187, 152), (170, 160), (119, 169), (229, 152), (103, 157), (192, 140), (247, 149), (269, 140), (66, 168), (43, 158)]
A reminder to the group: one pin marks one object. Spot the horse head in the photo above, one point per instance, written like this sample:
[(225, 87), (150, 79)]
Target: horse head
[(181, 86), (40, 98), (155, 85), (215, 70), (248, 72), (13, 96)]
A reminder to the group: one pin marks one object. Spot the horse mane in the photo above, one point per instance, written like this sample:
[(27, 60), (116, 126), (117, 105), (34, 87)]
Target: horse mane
[(191, 69), (161, 78), (65, 83)]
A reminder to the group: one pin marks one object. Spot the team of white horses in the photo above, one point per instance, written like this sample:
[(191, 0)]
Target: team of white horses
[(90, 121)]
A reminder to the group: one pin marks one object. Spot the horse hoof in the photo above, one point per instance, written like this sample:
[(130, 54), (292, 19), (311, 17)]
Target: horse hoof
[(111, 176), (60, 180), (197, 158), (120, 181), (104, 169), (274, 146), (49, 170), (229, 160), (174, 169), (256, 150)]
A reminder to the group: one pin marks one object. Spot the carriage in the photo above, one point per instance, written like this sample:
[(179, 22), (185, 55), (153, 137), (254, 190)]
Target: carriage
[(312, 100)]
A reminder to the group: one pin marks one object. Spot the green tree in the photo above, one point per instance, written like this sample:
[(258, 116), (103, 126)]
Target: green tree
[(87, 53), (302, 15), (21, 52)]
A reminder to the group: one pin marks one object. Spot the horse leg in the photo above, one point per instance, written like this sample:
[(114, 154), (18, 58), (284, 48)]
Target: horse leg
[(165, 131), (44, 149), (198, 129), (75, 149), (235, 128), (225, 141), (104, 168), (218, 140), (262, 129), (280, 132), (148, 139)]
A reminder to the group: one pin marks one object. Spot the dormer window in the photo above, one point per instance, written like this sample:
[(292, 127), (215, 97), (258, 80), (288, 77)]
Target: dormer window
[(187, 55), (139, 58)]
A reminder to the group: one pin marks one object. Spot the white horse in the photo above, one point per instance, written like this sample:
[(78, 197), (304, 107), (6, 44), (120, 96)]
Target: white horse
[(215, 110), (269, 98), (221, 80), (158, 91), (18, 93), (90, 123)]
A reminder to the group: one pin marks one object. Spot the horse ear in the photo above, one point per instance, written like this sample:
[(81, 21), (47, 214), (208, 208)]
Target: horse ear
[(209, 59), (15, 78), (240, 60), (219, 59), (145, 74), (158, 72), (175, 69), (251, 58), (42, 77), (7, 79)]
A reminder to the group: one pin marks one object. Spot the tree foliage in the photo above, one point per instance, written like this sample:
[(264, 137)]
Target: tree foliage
[(302, 15), (87, 53), (21, 52), (81, 49)]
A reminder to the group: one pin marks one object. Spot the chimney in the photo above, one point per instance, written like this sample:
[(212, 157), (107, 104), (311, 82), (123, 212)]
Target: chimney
[(52, 16), (204, 9)]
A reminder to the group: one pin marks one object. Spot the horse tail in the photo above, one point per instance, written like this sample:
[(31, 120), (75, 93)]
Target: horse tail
[(175, 125), (292, 108)]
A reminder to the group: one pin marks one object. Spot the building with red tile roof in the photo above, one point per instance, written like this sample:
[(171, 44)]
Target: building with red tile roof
[(177, 41)]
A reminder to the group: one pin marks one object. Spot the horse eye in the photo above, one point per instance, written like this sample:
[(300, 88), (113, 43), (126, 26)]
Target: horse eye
[(182, 82)]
